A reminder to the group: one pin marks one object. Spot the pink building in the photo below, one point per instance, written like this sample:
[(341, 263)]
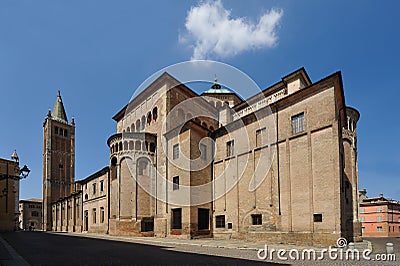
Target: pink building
[(379, 216)]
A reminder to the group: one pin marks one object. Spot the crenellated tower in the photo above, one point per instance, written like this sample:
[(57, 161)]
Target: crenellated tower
[(58, 158)]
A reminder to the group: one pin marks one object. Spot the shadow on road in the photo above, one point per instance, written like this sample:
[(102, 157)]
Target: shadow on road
[(40, 248)]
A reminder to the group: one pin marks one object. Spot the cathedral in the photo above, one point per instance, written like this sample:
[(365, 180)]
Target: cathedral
[(280, 166)]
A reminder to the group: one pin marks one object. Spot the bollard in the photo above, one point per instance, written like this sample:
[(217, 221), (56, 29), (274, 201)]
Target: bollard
[(389, 248)]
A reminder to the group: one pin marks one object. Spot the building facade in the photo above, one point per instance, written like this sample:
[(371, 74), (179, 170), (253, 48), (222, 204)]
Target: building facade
[(96, 201), (66, 213), (379, 216), (184, 165), (30, 214), (9, 194), (85, 210)]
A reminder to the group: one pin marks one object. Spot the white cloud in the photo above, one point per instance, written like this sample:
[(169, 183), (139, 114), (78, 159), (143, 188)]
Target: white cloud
[(213, 32)]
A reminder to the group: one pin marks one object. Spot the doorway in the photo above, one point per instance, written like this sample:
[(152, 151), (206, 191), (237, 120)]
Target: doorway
[(86, 225), (203, 219)]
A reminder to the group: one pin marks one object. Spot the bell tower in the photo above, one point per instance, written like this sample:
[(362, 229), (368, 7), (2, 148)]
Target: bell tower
[(58, 159)]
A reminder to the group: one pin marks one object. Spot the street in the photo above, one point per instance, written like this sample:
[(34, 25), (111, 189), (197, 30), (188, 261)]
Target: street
[(379, 243), (39, 248)]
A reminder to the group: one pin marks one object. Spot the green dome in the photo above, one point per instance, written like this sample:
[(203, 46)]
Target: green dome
[(216, 88)]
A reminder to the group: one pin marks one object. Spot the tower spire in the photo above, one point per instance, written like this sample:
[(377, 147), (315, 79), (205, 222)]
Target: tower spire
[(58, 112)]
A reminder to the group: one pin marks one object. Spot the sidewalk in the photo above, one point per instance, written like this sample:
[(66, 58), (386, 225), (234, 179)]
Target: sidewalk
[(204, 242), (8, 256)]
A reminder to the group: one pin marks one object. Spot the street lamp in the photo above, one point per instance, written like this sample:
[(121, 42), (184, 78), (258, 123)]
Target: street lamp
[(24, 172)]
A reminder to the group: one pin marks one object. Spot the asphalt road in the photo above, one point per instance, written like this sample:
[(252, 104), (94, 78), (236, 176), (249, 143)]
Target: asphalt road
[(39, 248), (379, 243)]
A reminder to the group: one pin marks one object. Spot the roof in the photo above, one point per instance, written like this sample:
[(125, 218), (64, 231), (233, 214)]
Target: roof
[(308, 91), (31, 201), (187, 126), (164, 78), (8, 161), (380, 200), (300, 73), (58, 112), (95, 175)]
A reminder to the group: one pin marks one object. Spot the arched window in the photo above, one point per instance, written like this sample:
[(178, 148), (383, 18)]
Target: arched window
[(148, 118), (133, 127), (116, 147), (125, 146), (120, 146), (211, 128), (131, 145), (155, 113), (152, 147), (145, 146), (128, 129), (138, 125), (143, 167), (114, 168), (204, 124), (138, 145), (181, 115), (143, 122)]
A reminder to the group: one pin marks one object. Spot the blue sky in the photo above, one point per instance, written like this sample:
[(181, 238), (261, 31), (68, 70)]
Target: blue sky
[(98, 52)]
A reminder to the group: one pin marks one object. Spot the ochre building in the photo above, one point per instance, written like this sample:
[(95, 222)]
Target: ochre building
[(9, 194), (280, 166)]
